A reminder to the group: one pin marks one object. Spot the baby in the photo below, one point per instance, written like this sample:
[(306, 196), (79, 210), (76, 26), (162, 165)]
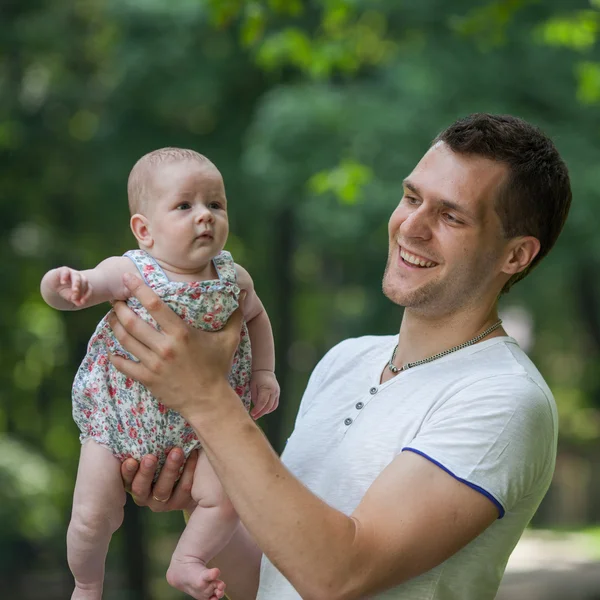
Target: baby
[(179, 218)]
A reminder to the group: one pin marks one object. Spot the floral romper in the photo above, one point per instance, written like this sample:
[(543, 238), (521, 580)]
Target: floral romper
[(120, 413)]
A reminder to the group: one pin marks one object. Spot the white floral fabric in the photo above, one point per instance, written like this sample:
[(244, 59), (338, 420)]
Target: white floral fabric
[(120, 413)]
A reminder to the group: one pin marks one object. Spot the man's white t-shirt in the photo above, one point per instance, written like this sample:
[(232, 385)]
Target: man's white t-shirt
[(483, 414)]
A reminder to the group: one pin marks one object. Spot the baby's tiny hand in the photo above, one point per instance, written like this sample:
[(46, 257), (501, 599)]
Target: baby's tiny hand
[(71, 285), (265, 393)]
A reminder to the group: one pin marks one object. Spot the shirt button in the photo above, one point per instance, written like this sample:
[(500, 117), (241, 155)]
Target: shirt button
[(348, 421), (373, 390), (359, 405)]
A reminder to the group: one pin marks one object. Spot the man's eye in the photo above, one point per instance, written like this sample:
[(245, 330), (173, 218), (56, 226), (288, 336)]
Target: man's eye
[(184, 206), (411, 200), (451, 218)]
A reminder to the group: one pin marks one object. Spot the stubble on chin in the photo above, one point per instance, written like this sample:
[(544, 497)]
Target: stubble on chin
[(390, 289), (386, 287), (415, 299)]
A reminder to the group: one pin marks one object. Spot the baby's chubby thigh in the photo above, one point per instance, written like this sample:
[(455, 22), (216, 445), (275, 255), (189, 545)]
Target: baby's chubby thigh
[(207, 490)]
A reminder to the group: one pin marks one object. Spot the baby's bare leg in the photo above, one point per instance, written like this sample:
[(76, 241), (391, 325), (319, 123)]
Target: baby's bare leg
[(208, 530), (97, 513)]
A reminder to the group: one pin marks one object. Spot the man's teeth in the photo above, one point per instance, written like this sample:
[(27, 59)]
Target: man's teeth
[(415, 260)]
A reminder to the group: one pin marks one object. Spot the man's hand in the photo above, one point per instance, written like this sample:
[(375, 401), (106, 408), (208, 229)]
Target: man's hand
[(185, 367), (170, 492)]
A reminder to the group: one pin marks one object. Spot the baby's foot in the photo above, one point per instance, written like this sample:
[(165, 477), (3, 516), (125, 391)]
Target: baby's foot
[(195, 579)]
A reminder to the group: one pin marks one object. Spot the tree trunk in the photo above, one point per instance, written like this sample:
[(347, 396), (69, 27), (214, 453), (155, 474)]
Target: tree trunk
[(283, 325), (589, 304), (135, 554)]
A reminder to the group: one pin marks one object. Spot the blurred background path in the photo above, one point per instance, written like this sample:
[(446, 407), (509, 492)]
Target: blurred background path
[(553, 566)]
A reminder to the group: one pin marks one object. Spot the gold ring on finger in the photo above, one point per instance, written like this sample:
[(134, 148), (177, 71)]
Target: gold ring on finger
[(161, 501)]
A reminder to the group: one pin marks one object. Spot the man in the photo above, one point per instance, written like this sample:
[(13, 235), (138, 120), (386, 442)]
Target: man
[(417, 460)]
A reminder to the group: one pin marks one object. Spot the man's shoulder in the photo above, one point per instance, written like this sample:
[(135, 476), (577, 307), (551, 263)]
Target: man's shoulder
[(496, 376), (505, 363), (501, 379)]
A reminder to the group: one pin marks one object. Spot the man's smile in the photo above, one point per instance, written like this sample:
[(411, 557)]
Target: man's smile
[(415, 260)]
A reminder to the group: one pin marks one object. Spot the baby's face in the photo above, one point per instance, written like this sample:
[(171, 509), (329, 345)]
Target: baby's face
[(188, 214)]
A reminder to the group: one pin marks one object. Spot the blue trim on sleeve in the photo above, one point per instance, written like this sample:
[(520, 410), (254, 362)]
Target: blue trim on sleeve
[(471, 485)]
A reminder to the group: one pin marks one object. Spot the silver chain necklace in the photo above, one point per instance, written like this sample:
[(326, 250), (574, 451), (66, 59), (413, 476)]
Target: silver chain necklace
[(394, 369)]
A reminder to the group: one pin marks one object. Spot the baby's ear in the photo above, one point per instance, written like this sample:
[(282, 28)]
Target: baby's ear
[(141, 230)]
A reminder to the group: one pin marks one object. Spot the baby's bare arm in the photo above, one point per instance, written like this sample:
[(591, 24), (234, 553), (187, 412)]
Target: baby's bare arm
[(68, 289), (264, 387), (259, 326)]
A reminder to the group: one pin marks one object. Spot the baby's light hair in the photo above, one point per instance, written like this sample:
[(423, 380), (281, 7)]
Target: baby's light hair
[(139, 182)]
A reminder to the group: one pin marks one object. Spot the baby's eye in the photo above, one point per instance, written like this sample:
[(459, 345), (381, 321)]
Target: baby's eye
[(184, 206), (214, 205)]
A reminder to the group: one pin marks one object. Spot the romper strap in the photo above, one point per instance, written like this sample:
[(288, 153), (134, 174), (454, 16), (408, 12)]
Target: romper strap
[(225, 267), (149, 269)]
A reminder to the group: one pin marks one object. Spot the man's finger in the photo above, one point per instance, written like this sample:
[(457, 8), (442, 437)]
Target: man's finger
[(169, 474), (142, 482), (129, 467), (132, 369), (164, 316), (127, 326), (128, 341), (234, 323), (233, 327)]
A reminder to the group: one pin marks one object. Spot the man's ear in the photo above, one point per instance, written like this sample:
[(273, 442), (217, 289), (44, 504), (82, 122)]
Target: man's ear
[(522, 251), (141, 230)]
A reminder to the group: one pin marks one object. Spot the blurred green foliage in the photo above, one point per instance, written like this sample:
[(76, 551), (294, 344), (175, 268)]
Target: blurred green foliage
[(314, 112)]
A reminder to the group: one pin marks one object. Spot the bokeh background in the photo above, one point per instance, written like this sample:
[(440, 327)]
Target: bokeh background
[(314, 111)]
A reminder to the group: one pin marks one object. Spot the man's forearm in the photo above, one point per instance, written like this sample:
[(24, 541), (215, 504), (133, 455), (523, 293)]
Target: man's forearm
[(307, 540)]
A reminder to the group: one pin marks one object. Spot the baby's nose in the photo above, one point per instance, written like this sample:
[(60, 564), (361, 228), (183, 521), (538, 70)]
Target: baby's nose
[(203, 214)]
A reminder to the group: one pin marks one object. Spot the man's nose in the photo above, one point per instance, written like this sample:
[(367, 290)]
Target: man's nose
[(417, 224)]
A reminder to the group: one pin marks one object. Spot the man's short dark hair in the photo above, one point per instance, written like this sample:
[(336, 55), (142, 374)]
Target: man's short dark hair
[(535, 197)]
